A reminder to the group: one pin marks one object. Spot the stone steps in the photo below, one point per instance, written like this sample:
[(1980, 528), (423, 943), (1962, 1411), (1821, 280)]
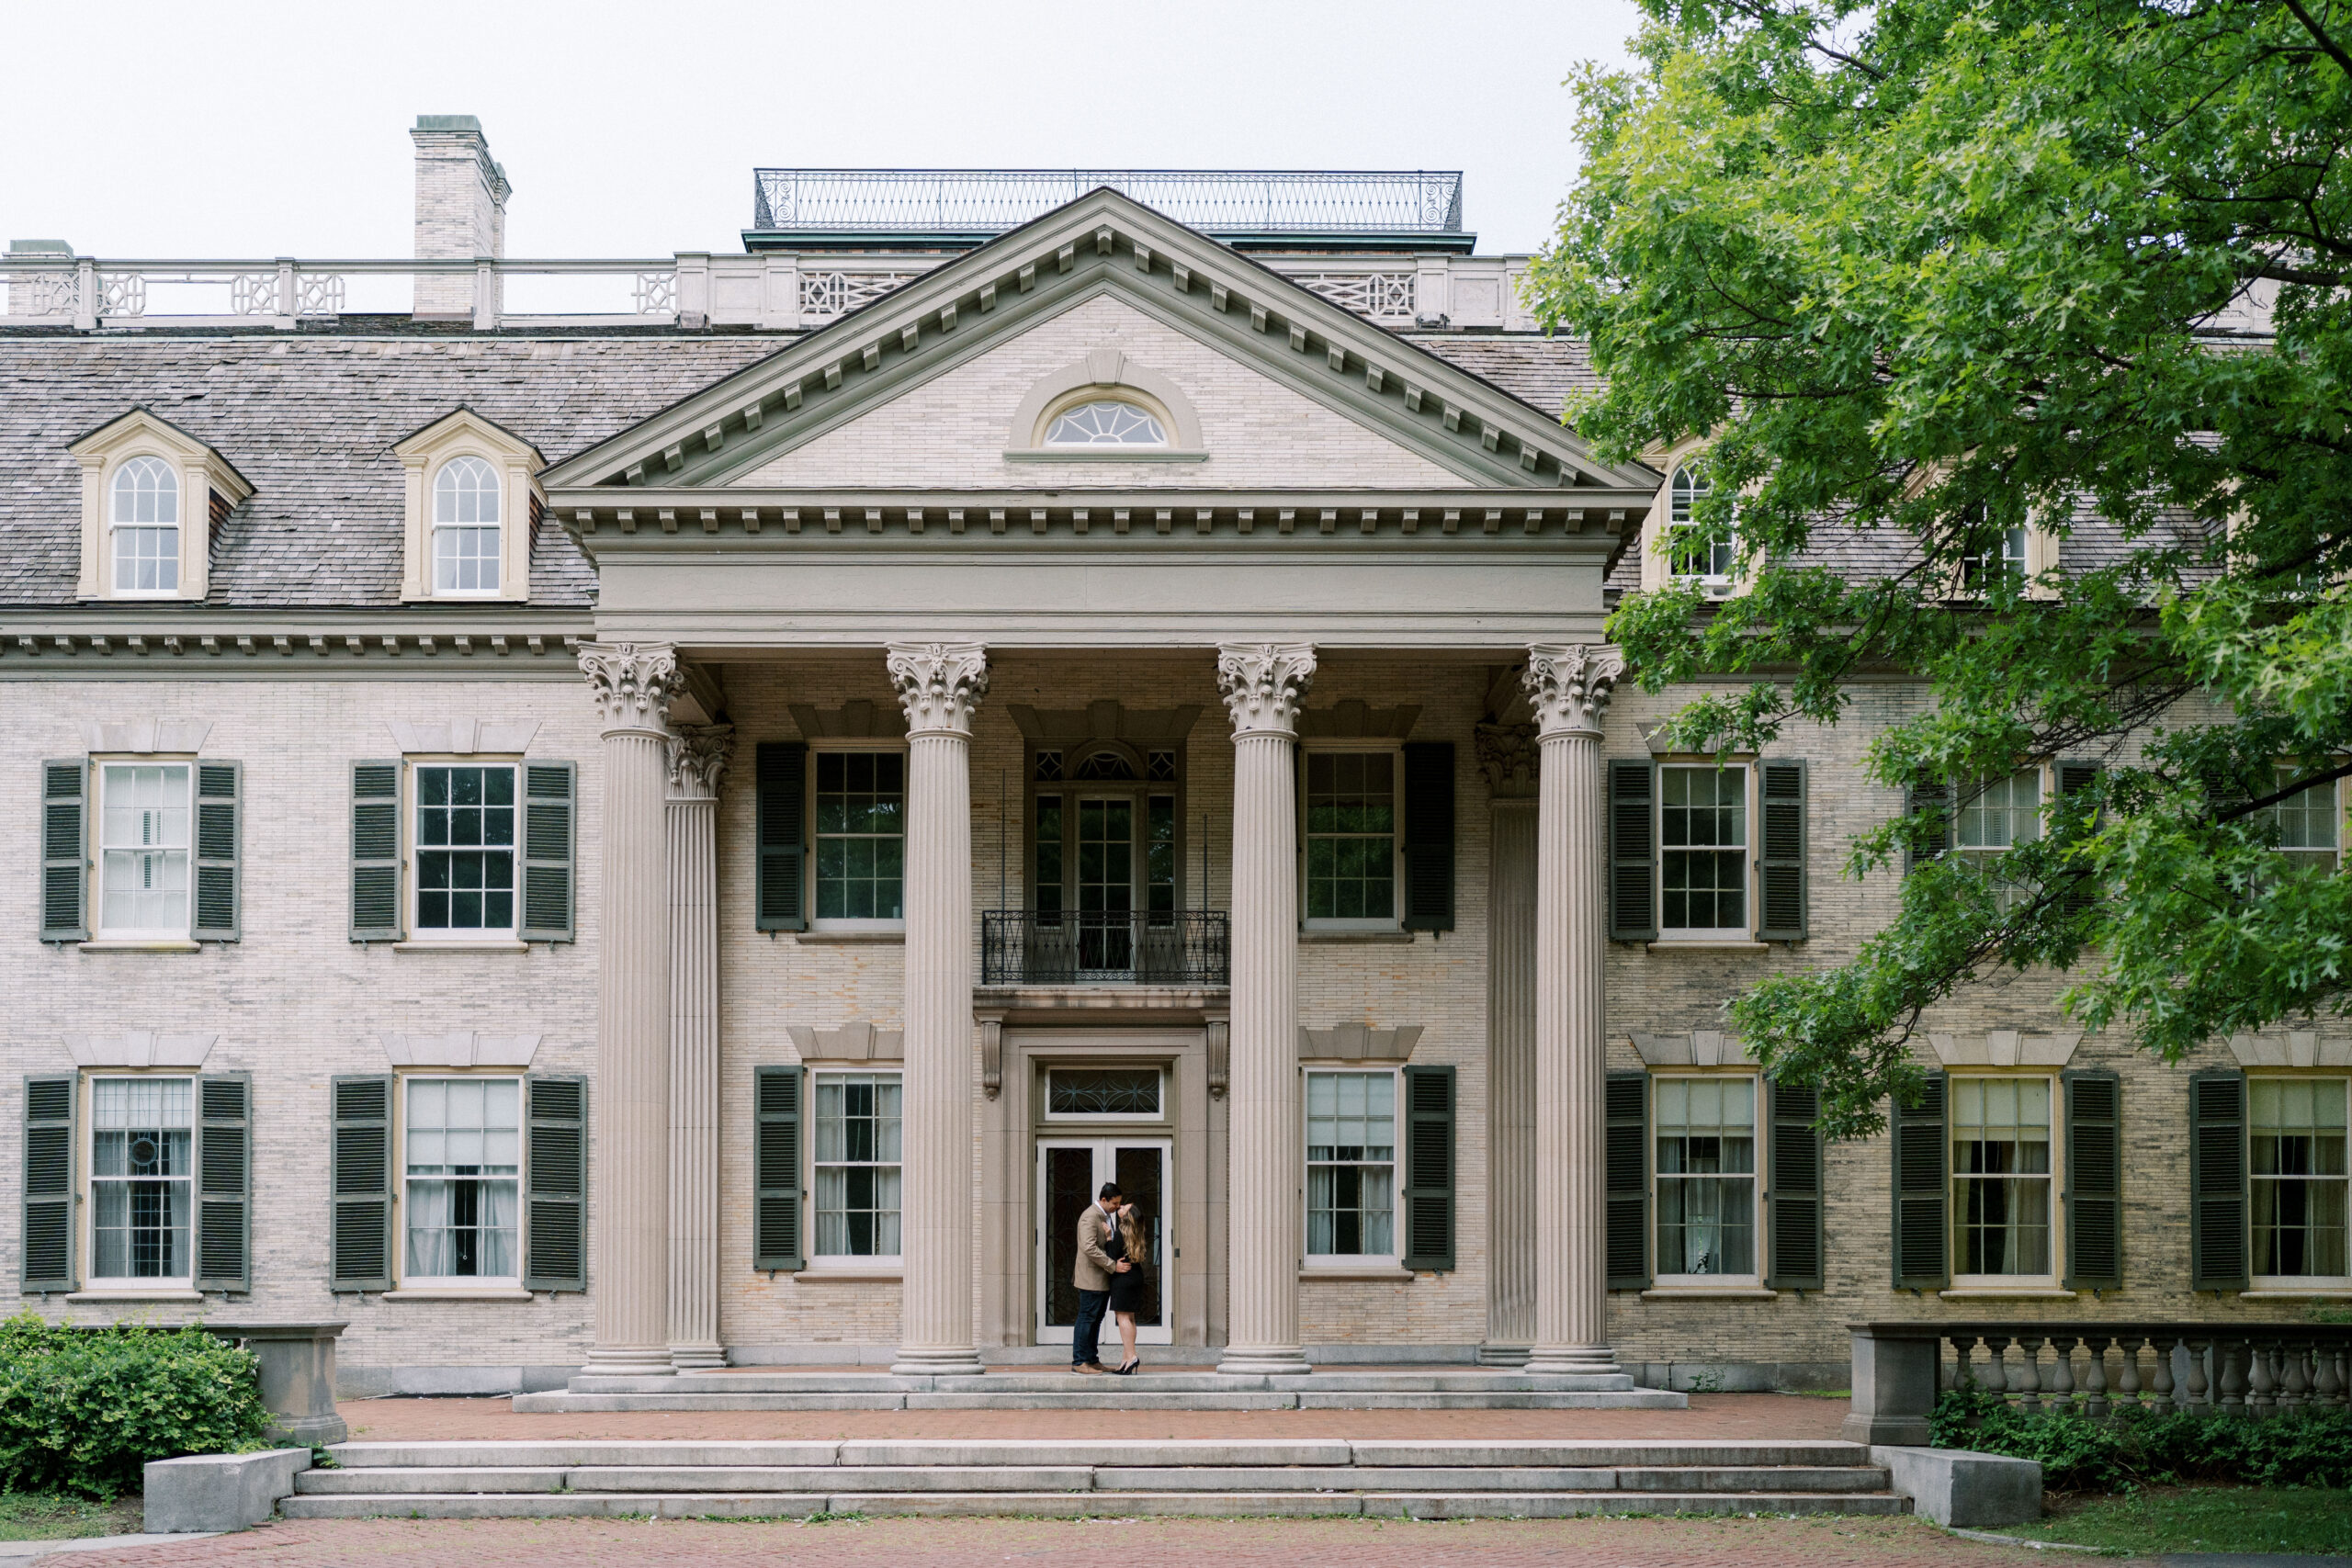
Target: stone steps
[(1091, 1505)]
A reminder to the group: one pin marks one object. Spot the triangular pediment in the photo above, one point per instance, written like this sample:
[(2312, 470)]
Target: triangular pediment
[(1101, 279)]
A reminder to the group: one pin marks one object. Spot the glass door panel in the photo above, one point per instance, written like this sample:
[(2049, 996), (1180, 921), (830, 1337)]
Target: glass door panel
[(1106, 886), (1070, 1172)]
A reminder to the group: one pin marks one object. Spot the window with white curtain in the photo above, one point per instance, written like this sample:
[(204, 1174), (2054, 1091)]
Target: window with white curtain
[(2001, 1175), (462, 1157), (2297, 1138), (143, 813), (857, 1152), (465, 522), (145, 519), (1352, 1165), (1705, 1129), (141, 1156)]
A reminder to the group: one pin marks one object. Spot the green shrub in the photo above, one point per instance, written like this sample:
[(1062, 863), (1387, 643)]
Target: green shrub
[(82, 1410), (2138, 1448)]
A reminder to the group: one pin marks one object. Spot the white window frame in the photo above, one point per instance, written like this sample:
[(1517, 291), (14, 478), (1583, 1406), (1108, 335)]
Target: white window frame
[(460, 1285), (1091, 397), (1684, 489), (835, 748), (1341, 1262), (1956, 1209), (112, 564), (132, 1285), (2276, 816), (852, 1262), (1746, 930), (101, 932), (2299, 1283), (434, 525), (411, 841), (1757, 1132), (1394, 919), (1083, 1117), (1986, 857)]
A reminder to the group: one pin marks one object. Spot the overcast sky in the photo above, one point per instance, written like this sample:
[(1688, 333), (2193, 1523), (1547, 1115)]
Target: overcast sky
[(264, 128)]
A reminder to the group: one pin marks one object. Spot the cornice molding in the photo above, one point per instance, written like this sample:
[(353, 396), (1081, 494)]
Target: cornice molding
[(1264, 685), (83, 645)]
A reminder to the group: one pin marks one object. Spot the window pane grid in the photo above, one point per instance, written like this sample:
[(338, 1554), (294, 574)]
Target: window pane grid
[(861, 835), (1102, 1091), (464, 1158), (1350, 1163), (2000, 1161), (142, 1151), (466, 527), (1706, 1176), (1691, 552), (146, 560), (1105, 424), (1702, 840), (465, 849), (2002, 814), (1350, 835), (143, 839), (2306, 823), (856, 1164), (2296, 1138)]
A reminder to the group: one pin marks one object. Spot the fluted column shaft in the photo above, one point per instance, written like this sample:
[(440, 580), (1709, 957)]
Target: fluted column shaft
[(1569, 684), (698, 762), (1264, 685), (940, 685), (1511, 1083), (632, 683)]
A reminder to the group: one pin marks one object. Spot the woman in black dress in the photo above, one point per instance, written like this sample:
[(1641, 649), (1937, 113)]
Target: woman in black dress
[(1129, 1253)]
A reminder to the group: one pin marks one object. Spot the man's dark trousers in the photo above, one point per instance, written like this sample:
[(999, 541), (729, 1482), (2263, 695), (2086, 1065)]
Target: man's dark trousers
[(1086, 1337)]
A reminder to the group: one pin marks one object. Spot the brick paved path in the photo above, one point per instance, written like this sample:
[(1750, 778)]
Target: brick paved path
[(1711, 1415), (1125, 1543)]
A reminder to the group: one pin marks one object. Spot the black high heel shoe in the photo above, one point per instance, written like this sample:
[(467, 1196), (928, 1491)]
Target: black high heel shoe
[(1129, 1369)]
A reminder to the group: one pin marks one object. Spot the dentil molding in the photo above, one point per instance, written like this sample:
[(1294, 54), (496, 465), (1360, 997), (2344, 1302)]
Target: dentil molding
[(1568, 684), (940, 685), (632, 682), (1264, 684)]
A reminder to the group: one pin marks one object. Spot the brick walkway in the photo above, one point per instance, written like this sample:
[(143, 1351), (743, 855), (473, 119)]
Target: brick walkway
[(1711, 1415), (1161, 1543)]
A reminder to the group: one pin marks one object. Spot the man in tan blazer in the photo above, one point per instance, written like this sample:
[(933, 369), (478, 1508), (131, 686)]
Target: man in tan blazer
[(1091, 1275)]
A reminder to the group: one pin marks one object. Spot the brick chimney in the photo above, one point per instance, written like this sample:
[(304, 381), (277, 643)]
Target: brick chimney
[(461, 208)]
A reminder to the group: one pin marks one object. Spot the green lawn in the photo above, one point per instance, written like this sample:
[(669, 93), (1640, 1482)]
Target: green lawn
[(32, 1516), (2203, 1518)]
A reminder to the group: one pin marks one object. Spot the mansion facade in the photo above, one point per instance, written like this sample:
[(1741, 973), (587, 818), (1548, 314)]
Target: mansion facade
[(701, 836)]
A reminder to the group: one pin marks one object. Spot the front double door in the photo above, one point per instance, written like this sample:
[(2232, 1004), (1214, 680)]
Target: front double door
[(1070, 1172)]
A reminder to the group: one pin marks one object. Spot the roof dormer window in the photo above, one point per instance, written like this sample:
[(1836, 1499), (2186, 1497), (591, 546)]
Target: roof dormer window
[(154, 497), (473, 501), (465, 526), (145, 524), (1106, 422)]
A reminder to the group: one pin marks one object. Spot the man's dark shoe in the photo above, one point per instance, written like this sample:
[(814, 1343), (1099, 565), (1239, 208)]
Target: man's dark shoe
[(1091, 1368)]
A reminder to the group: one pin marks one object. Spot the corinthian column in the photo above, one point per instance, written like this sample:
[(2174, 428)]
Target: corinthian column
[(698, 762), (1264, 684), (1569, 686), (1507, 755), (632, 683), (940, 685)]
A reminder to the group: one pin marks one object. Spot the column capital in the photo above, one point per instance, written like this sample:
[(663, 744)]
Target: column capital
[(1264, 684), (698, 757), (632, 682), (1507, 755), (1569, 684), (940, 685)]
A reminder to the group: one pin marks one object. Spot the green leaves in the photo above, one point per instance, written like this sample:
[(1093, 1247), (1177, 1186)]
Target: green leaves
[(84, 1409)]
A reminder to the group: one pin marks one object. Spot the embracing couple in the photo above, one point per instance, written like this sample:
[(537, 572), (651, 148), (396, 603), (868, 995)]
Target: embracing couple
[(1111, 1254)]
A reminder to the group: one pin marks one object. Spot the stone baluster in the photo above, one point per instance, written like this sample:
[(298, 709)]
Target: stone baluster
[(697, 762), (1569, 684), (2060, 1385), (1507, 755), (1996, 1355), (1963, 1364), (2199, 1390), (2230, 1356), (2327, 1386), (2295, 1389), (2127, 1376), (1264, 685), (2159, 1384), (2262, 1380), (632, 684), (2030, 1374), (940, 685)]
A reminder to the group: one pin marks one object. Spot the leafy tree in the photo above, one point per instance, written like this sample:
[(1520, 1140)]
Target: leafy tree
[(1930, 271)]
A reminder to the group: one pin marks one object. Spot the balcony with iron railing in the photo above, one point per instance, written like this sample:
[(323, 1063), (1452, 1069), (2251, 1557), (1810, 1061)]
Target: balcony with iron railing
[(1188, 948)]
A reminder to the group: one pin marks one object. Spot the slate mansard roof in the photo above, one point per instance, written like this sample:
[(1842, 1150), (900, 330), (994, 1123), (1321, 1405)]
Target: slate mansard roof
[(310, 419)]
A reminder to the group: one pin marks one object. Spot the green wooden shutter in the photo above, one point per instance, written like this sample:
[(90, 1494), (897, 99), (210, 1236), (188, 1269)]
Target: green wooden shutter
[(2073, 778), (555, 1253), (1794, 1191), (1429, 1166), (2217, 1202), (2094, 1180), (219, 899), (376, 852), (776, 1158), (1628, 1158), (47, 1262), (1428, 835), (1633, 853), (1780, 864), (549, 791), (65, 863), (224, 1179), (1922, 1253), (1935, 799), (360, 1244), (781, 783)]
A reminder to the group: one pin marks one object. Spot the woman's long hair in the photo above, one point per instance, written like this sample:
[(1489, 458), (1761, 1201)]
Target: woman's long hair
[(1131, 1235)]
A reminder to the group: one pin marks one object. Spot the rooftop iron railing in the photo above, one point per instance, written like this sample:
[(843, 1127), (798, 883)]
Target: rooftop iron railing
[(1217, 201)]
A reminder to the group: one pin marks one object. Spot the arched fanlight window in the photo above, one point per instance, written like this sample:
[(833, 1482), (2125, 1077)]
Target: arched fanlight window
[(466, 527), (145, 520), (1106, 424), (1694, 553)]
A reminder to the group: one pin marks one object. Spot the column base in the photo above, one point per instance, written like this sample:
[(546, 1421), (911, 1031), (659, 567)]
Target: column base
[(696, 1358), (1275, 1361), (1572, 1360), (629, 1361), (955, 1361), (1504, 1355)]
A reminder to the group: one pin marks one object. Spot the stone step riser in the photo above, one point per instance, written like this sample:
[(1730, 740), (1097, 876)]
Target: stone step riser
[(1659, 1456), (1091, 1399), (1418, 1506), (1062, 1382)]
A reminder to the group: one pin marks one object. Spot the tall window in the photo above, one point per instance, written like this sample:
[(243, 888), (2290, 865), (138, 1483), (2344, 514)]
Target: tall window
[(1352, 1165), (2297, 1129), (2000, 1163), (1702, 843), (1694, 553), (143, 845), (1351, 811), (2004, 561), (861, 835), (145, 521), (1105, 424), (142, 1153), (1706, 1177), (465, 849), (1998, 817), (2306, 821), (466, 527), (464, 1159), (857, 1165)]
